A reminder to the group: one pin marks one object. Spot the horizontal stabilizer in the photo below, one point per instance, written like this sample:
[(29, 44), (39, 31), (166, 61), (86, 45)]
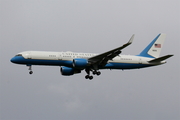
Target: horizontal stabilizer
[(160, 59)]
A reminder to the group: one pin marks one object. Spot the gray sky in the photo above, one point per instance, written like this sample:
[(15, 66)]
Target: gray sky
[(93, 26)]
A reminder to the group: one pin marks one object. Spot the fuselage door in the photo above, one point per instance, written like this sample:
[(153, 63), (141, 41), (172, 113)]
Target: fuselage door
[(140, 61), (60, 56)]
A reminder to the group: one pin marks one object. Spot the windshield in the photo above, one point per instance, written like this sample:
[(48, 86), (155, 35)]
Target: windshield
[(19, 55)]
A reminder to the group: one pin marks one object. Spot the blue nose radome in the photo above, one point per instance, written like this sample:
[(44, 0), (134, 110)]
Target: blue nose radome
[(14, 60), (17, 59)]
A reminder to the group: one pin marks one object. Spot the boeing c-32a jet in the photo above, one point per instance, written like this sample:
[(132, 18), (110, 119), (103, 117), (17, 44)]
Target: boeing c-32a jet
[(73, 63)]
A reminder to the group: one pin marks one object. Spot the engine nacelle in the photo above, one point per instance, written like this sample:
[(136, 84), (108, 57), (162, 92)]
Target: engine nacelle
[(80, 63), (67, 71)]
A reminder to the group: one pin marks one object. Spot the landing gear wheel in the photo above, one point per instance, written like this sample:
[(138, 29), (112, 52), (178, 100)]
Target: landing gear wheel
[(89, 77), (30, 72), (98, 73), (94, 72)]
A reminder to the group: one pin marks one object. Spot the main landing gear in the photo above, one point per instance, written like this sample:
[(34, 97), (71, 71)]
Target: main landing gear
[(30, 68), (94, 72), (89, 77)]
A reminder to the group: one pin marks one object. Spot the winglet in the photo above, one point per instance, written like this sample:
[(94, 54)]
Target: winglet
[(129, 42), (131, 39)]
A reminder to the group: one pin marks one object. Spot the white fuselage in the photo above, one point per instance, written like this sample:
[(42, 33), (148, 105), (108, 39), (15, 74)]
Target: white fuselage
[(69, 56)]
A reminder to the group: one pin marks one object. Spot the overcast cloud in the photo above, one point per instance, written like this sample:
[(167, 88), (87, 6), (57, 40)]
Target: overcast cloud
[(93, 26)]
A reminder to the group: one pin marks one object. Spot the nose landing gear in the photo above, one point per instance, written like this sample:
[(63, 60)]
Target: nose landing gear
[(30, 72), (30, 68)]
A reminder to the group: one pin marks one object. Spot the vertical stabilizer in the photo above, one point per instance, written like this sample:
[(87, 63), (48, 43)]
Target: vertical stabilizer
[(153, 50)]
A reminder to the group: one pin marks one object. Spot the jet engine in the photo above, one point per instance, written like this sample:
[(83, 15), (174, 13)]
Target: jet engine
[(67, 71), (80, 63)]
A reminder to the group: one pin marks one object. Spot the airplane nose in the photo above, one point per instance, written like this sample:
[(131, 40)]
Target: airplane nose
[(14, 60), (17, 59)]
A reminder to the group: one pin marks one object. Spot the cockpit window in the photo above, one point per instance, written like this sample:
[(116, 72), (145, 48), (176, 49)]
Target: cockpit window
[(19, 55)]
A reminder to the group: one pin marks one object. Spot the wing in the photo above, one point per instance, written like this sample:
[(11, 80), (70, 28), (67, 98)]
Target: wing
[(102, 59)]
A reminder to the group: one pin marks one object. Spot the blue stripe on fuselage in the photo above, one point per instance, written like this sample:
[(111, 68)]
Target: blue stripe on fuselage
[(22, 60), (125, 66)]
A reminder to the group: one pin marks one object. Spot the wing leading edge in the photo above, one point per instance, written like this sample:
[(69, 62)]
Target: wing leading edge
[(102, 59)]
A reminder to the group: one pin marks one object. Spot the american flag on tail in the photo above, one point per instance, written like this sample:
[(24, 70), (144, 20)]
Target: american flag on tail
[(157, 45)]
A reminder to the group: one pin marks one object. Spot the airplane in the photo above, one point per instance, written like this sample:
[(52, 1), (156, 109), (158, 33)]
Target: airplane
[(73, 63)]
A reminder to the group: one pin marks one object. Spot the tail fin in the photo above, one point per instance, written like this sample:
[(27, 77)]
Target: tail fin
[(153, 50)]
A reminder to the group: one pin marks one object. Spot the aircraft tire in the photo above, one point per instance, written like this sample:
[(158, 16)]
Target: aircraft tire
[(98, 73), (30, 72), (90, 77), (94, 72), (87, 76)]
